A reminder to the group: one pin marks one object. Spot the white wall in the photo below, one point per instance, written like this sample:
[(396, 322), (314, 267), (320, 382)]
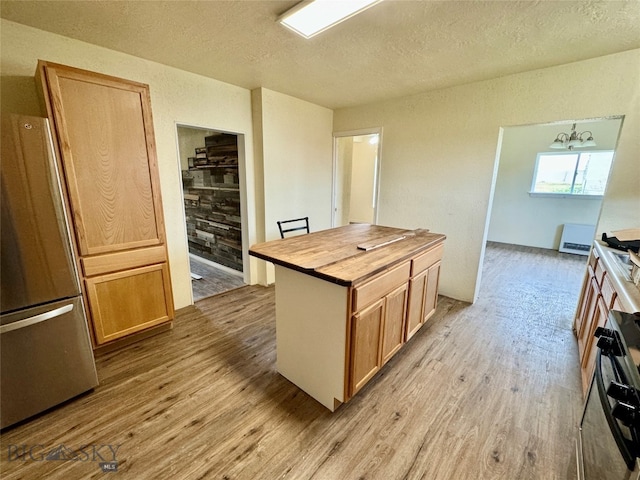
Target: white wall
[(176, 97), (439, 150), (535, 221), (296, 151)]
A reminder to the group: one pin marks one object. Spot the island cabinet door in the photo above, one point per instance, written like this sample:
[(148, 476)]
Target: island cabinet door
[(431, 291), (423, 299), (395, 307), (415, 309), (366, 338)]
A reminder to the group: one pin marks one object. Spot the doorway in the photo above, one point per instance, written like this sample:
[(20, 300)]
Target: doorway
[(210, 167), (356, 168), (530, 208), (520, 215)]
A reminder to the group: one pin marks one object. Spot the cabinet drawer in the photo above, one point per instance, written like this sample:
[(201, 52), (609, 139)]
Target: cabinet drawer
[(112, 262), (380, 286), (424, 261)]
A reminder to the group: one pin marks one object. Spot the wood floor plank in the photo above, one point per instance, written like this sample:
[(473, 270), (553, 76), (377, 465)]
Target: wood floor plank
[(485, 391), (213, 280)]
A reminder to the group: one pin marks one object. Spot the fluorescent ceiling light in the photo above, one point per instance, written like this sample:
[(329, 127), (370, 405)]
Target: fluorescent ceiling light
[(314, 16)]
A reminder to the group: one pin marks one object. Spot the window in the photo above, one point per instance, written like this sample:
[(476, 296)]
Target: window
[(572, 173)]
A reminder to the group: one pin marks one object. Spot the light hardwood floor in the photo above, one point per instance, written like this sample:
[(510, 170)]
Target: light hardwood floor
[(213, 281), (485, 391)]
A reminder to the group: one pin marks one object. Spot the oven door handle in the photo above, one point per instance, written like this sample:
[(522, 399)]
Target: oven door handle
[(624, 445)]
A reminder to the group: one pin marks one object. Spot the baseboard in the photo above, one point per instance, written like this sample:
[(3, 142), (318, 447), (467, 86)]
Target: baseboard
[(133, 338)]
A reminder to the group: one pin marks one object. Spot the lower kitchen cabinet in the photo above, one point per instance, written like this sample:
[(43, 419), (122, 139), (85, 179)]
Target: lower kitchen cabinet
[(423, 290), (366, 337), (431, 292), (397, 300), (377, 334), (603, 289), (597, 317), (415, 308), (339, 322), (129, 301), (395, 307)]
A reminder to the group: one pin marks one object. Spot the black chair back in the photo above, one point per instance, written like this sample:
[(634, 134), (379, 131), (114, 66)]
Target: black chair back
[(295, 224)]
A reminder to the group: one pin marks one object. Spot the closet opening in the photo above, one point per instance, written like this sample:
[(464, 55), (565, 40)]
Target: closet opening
[(212, 199), (356, 176)]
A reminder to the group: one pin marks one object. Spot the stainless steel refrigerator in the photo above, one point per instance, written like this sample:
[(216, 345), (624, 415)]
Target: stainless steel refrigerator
[(45, 350)]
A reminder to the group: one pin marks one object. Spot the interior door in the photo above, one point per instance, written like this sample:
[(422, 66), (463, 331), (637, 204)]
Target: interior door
[(356, 178)]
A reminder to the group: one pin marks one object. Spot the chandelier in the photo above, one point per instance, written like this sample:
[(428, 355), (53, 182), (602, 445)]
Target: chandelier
[(573, 140)]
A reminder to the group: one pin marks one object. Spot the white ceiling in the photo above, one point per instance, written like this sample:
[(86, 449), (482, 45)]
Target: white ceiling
[(396, 48)]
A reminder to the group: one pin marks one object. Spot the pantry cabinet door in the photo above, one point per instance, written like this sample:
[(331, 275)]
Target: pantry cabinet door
[(105, 137)]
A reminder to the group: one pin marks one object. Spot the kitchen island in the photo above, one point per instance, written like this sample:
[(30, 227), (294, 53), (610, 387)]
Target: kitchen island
[(347, 299)]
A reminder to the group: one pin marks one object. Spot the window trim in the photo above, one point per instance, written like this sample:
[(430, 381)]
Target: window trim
[(533, 193), (575, 196)]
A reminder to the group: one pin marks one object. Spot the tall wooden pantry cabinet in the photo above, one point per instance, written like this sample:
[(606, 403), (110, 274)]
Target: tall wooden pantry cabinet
[(103, 130)]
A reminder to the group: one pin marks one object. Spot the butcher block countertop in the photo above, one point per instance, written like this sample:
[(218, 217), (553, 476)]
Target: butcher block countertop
[(347, 255)]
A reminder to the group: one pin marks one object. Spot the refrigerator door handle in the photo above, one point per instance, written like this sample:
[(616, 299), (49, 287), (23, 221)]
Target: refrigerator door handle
[(36, 319)]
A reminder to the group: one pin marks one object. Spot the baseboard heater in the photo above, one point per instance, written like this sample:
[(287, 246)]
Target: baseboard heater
[(577, 238)]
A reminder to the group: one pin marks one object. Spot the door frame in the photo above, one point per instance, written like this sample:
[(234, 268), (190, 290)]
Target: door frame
[(242, 179), (377, 174), (496, 171)]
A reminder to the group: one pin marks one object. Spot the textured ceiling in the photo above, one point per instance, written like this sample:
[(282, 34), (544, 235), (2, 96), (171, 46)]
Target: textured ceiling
[(395, 48)]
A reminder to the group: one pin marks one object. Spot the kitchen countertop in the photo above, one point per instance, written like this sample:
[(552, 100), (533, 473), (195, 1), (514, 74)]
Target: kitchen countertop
[(334, 254), (628, 293)]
